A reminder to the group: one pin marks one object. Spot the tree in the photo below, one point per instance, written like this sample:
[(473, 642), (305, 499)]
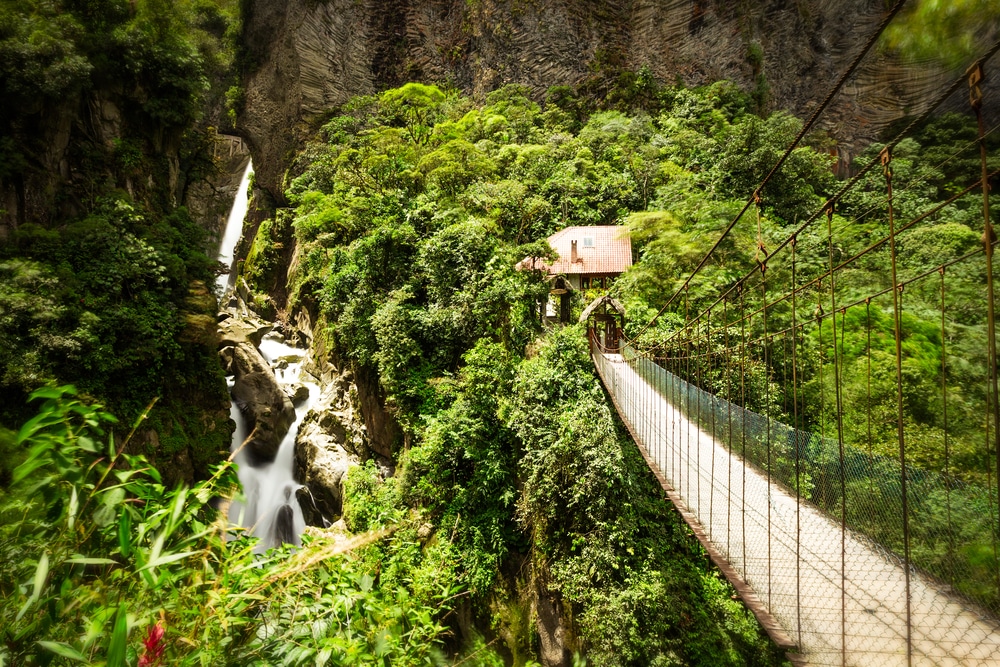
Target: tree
[(950, 32), (417, 105)]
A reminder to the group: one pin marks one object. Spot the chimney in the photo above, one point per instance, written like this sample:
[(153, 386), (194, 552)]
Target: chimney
[(573, 256)]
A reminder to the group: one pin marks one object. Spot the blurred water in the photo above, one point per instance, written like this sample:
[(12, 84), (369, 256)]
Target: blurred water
[(270, 487), (269, 509), (234, 228)]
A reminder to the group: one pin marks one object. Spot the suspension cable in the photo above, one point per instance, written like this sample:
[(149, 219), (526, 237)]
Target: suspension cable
[(833, 200), (788, 151)]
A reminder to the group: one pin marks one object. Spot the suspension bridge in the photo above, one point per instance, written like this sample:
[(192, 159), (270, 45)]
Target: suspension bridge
[(856, 533)]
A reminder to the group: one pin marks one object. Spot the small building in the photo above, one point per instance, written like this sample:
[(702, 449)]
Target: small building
[(588, 258), (591, 256)]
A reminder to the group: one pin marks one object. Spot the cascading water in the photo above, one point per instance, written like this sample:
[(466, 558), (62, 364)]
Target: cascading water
[(234, 228), (270, 510)]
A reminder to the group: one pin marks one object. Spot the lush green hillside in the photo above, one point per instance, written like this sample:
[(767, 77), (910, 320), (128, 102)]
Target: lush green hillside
[(516, 488), (517, 481)]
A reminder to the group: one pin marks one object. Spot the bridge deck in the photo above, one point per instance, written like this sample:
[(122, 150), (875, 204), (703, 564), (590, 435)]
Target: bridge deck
[(841, 597)]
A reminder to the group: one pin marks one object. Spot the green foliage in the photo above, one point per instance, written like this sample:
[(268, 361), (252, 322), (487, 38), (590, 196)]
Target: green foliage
[(39, 55), (410, 211), (418, 107), (114, 301), (618, 554), (263, 261), (950, 32), (103, 564), (105, 289), (369, 501), (161, 56)]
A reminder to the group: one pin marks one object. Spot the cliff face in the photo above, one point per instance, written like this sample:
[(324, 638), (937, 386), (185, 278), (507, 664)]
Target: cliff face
[(309, 56), (91, 140), (101, 101)]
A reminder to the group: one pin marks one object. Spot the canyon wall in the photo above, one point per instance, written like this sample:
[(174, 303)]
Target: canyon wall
[(308, 56)]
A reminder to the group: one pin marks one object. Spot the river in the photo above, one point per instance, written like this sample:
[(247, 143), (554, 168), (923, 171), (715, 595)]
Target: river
[(268, 508)]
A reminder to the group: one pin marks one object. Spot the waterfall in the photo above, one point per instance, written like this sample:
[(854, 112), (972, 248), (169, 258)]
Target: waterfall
[(234, 228), (270, 509)]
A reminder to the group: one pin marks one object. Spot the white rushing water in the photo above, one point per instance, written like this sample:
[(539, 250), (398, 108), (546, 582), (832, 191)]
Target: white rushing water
[(234, 227), (269, 509), (270, 488)]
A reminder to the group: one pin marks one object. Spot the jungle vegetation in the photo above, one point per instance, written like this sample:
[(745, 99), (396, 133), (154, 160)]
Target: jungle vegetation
[(408, 210), (110, 288)]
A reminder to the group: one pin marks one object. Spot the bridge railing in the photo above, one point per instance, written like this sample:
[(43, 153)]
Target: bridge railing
[(950, 521), (771, 499)]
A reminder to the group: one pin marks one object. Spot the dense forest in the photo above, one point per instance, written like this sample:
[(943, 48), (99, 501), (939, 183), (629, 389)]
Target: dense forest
[(516, 492), (107, 283)]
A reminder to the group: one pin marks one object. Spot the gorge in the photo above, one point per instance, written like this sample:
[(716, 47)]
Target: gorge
[(418, 470)]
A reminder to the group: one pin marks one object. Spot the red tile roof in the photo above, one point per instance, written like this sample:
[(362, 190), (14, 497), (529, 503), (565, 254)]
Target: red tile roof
[(611, 252)]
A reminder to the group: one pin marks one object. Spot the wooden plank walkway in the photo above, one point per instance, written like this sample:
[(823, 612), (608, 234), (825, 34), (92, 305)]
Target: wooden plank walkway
[(837, 596)]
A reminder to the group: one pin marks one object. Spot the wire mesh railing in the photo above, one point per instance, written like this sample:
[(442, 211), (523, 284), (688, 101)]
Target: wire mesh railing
[(816, 533), (831, 417)]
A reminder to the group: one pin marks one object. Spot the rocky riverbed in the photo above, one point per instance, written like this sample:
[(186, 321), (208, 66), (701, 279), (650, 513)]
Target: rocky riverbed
[(269, 387)]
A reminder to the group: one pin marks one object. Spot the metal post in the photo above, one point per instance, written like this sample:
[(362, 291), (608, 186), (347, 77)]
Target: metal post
[(975, 75), (897, 324)]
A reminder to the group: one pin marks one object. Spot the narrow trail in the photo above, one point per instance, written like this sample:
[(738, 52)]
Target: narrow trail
[(757, 525)]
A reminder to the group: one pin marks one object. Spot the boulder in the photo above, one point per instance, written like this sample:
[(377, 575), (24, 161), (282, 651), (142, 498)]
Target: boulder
[(384, 435), (320, 463), (330, 440), (298, 393), (276, 336), (239, 331), (227, 355), (268, 410), (551, 626)]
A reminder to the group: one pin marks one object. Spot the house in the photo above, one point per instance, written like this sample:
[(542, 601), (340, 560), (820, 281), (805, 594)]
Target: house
[(588, 258)]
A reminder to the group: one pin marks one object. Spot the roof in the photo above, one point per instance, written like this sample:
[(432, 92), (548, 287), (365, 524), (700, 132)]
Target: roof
[(611, 251), (600, 301)]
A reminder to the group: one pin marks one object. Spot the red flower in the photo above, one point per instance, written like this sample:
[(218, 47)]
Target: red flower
[(154, 645)]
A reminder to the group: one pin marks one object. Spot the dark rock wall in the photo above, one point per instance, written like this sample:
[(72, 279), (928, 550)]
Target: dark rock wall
[(307, 56), (201, 174)]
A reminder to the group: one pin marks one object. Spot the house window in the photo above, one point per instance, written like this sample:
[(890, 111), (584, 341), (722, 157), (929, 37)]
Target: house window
[(588, 241), (596, 282)]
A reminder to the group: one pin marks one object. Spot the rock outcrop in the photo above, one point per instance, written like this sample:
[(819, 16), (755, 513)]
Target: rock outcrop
[(210, 198), (550, 623), (267, 408)]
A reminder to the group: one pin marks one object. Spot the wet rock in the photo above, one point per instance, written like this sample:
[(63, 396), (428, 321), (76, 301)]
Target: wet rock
[(311, 513), (276, 336), (320, 464), (552, 633), (227, 355), (268, 410), (330, 440), (298, 393), (384, 434), (239, 331)]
